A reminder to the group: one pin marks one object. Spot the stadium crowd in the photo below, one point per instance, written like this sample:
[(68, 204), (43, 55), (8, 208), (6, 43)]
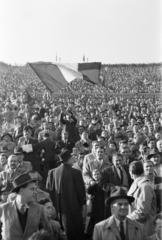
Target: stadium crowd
[(81, 166)]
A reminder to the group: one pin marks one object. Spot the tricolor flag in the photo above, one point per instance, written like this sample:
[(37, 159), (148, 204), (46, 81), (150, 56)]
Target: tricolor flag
[(58, 75)]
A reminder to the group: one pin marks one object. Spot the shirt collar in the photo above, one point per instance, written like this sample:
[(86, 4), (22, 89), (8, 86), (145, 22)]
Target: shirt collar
[(19, 205), (118, 222)]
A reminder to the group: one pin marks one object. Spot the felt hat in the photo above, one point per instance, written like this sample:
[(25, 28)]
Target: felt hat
[(27, 127), (153, 153), (4, 149), (24, 178), (18, 150), (64, 155), (6, 188), (6, 134), (117, 193)]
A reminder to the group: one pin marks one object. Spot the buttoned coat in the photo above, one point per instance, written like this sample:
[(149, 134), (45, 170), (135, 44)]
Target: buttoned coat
[(67, 192), (144, 208), (107, 230), (11, 227)]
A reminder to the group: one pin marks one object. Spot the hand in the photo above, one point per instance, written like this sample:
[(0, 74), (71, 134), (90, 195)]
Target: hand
[(92, 183)]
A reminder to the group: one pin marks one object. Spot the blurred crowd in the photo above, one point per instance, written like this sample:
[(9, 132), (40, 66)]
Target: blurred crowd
[(86, 150)]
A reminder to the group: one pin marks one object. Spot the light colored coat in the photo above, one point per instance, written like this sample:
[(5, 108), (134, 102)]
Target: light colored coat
[(11, 227), (6, 175), (144, 208), (107, 230)]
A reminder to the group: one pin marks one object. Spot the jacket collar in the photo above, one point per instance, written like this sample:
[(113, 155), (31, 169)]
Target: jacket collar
[(131, 225)]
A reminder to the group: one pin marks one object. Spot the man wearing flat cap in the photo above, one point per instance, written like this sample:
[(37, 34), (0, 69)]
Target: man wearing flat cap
[(67, 192), (118, 226), (23, 217)]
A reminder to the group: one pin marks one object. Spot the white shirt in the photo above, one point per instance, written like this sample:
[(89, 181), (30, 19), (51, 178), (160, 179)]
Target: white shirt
[(118, 224)]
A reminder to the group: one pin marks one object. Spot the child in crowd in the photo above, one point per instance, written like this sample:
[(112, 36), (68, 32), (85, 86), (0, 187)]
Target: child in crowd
[(74, 157), (95, 202)]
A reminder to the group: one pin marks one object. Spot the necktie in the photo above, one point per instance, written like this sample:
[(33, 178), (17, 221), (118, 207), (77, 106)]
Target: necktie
[(121, 175), (122, 235), (23, 209)]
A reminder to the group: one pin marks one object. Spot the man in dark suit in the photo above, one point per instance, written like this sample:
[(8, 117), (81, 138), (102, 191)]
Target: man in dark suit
[(115, 175), (49, 155), (67, 192), (64, 143), (33, 156)]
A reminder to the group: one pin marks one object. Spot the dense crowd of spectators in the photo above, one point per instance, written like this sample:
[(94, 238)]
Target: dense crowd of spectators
[(131, 78), (80, 151)]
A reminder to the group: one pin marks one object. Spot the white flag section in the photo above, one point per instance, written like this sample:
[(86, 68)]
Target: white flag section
[(69, 71), (56, 76)]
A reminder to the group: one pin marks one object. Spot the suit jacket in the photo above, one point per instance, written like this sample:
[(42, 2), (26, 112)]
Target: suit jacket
[(49, 149), (107, 230), (7, 175), (11, 227), (32, 156), (110, 178), (18, 131), (61, 144), (89, 167)]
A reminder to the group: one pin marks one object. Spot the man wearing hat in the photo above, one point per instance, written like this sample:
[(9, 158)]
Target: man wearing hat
[(22, 164), (67, 192), (23, 217), (118, 226), (12, 170), (155, 157)]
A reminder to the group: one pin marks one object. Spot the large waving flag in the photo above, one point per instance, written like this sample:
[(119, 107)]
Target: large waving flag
[(57, 75)]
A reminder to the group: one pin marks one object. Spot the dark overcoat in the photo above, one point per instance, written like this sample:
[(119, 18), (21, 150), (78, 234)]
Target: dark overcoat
[(67, 192)]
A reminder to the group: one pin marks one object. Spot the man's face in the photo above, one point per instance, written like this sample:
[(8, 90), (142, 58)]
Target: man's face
[(3, 160), (119, 208), (117, 161), (145, 130), (50, 126), (156, 159), (95, 146), (65, 135), (29, 193), (159, 146), (148, 168), (46, 126), (26, 134), (99, 154), (125, 152), (104, 134), (80, 130), (13, 162), (151, 144)]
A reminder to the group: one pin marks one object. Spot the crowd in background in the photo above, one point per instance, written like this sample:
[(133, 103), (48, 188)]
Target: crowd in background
[(99, 135)]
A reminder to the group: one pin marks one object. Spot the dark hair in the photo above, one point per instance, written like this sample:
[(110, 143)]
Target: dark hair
[(117, 155), (43, 201), (46, 135), (136, 167)]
